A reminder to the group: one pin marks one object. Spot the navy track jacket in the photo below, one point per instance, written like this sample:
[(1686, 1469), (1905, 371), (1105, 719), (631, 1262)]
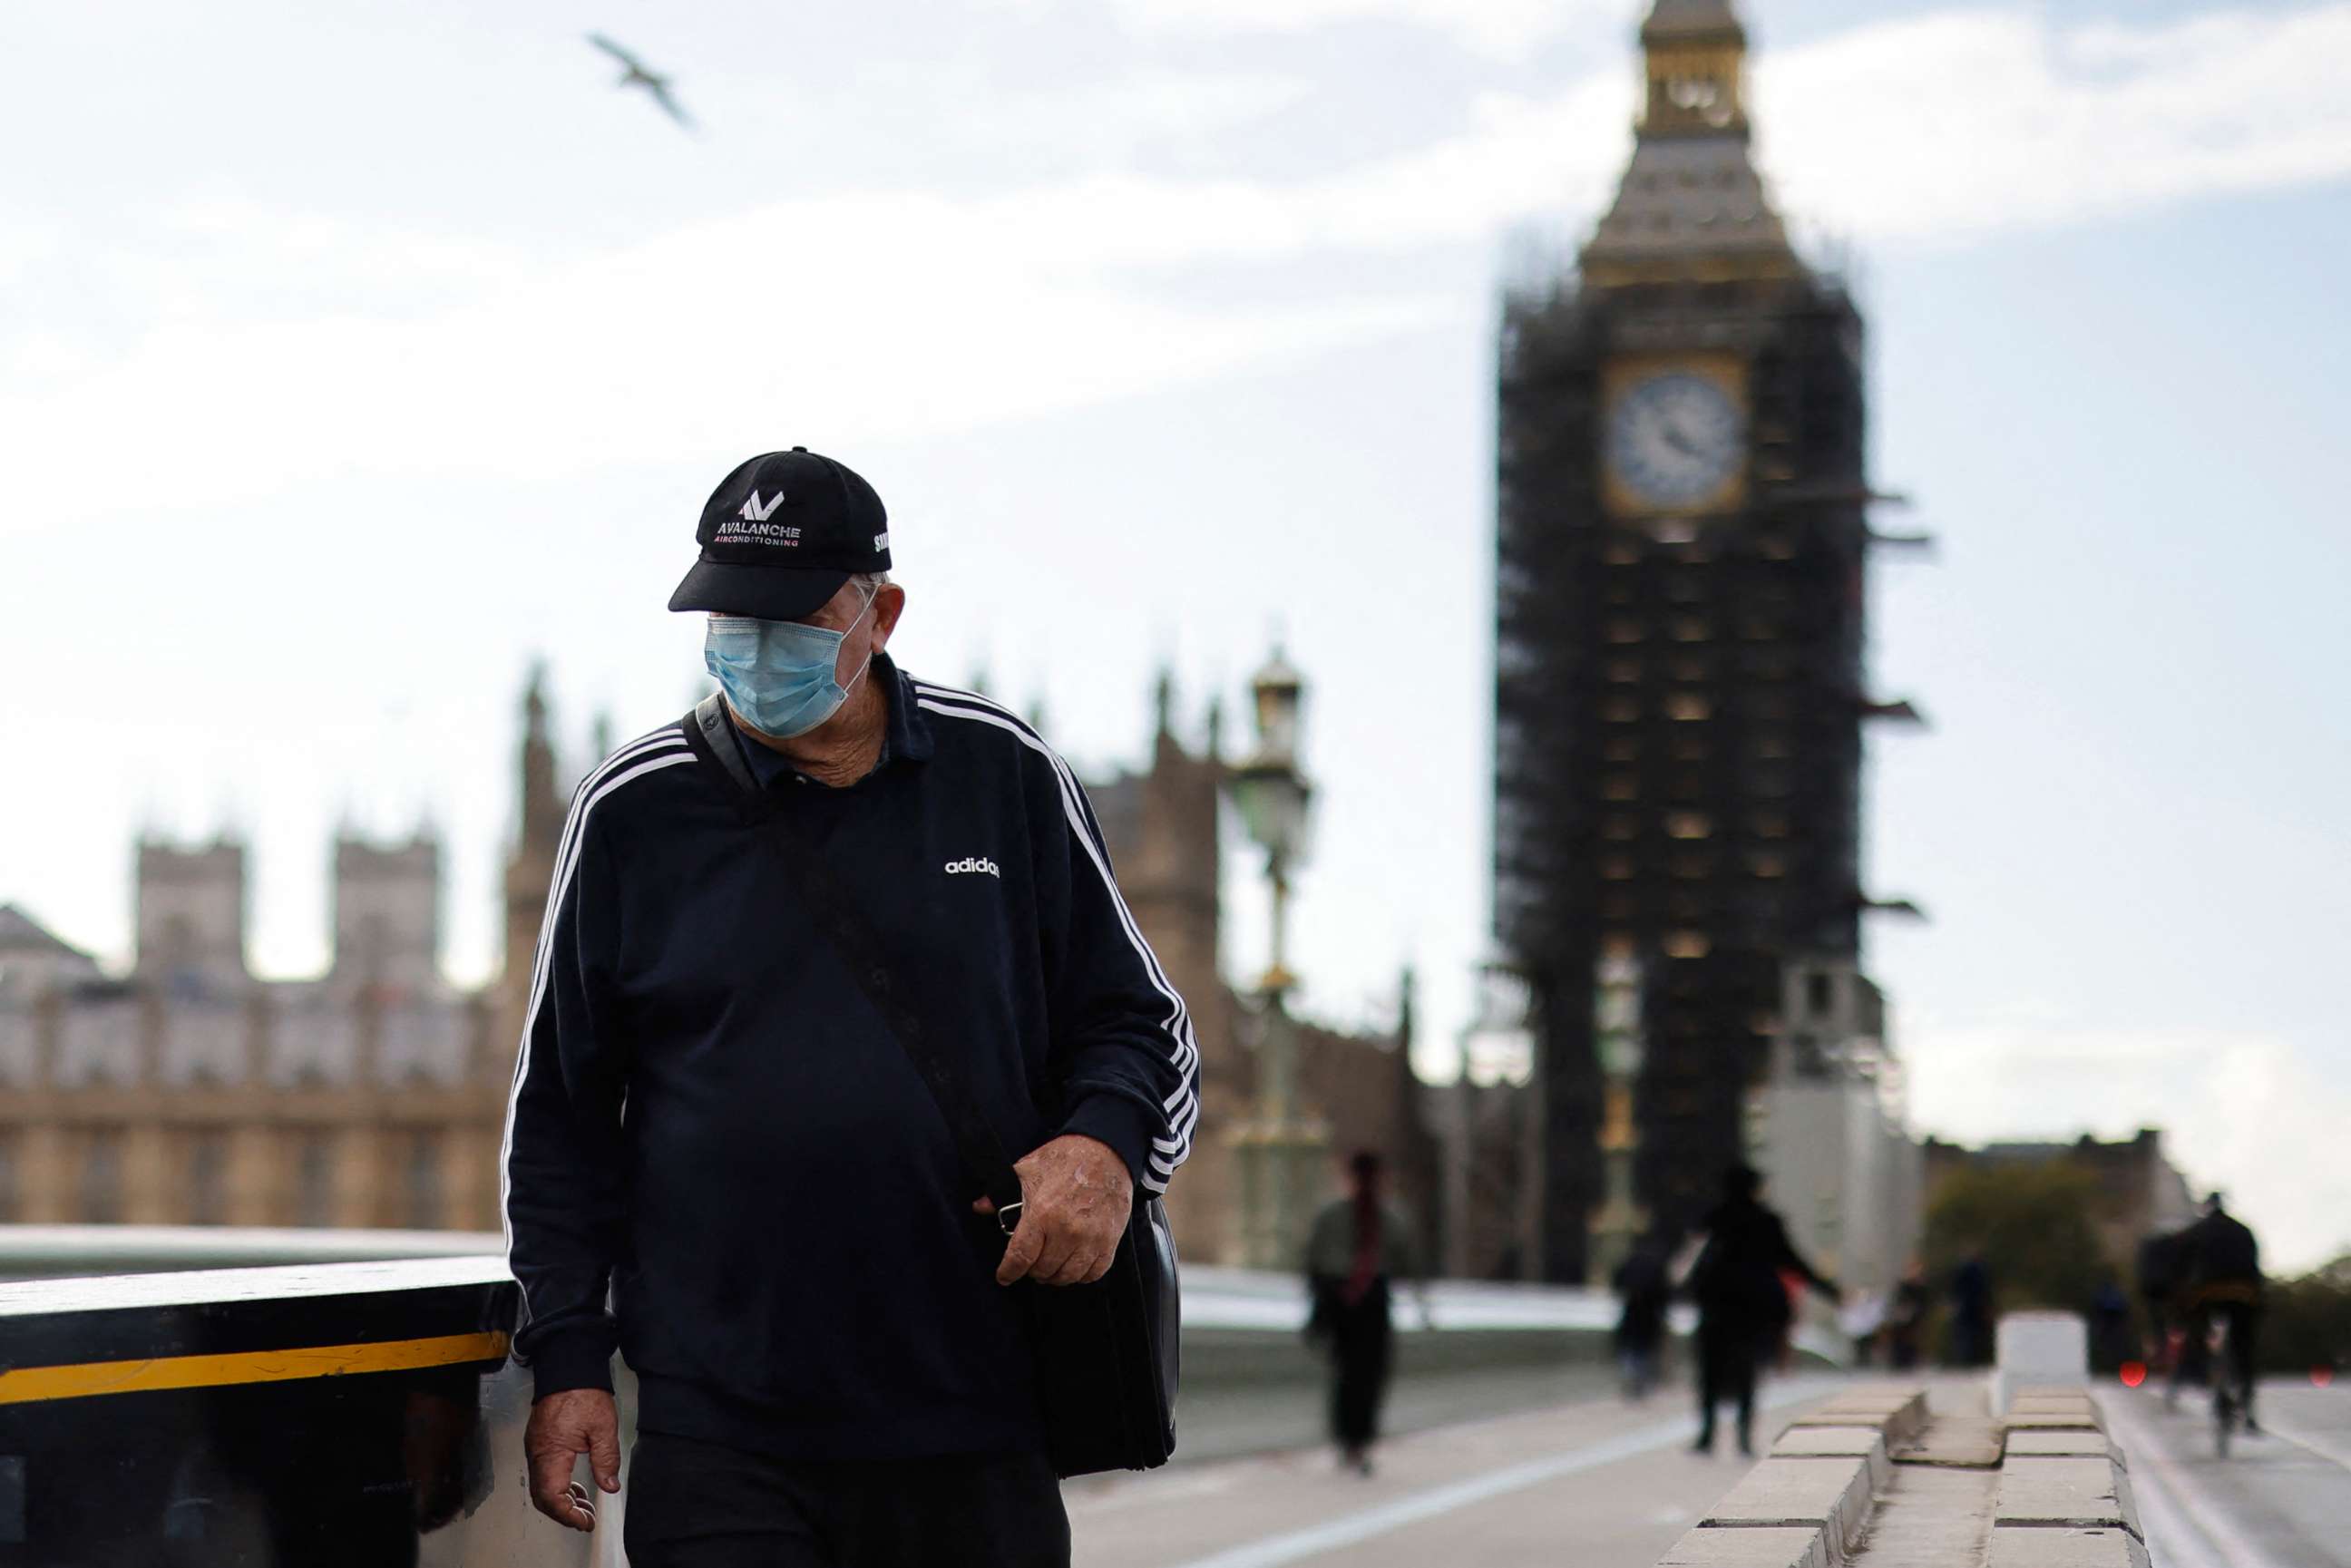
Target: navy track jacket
[(717, 1155)]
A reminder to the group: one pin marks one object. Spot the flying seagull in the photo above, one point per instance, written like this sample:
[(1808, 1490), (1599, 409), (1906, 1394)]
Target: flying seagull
[(634, 74)]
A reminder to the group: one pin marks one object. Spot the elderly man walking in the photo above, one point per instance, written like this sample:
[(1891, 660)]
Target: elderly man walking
[(719, 1156)]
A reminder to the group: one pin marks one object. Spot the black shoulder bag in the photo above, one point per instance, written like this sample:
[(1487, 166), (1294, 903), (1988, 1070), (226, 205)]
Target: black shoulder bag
[(1105, 1353)]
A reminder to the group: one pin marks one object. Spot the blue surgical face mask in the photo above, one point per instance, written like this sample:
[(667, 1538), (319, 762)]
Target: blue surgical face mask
[(779, 674)]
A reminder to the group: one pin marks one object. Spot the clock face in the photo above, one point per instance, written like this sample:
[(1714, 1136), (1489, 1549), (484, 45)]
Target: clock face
[(1674, 439)]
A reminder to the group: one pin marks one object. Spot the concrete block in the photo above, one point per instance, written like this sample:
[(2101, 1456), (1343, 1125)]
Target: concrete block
[(1865, 1443), (1825, 1416), (1895, 1391), (1832, 1495), (2080, 1412), (1871, 1407), (1877, 1398), (2034, 1547), (1972, 1442), (2130, 1503), (2039, 1351), (2087, 1443), (2044, 1348), (2054, 1420), (1931, 1517), (1898, 1414), (1761, 1548), (2083, 1493)]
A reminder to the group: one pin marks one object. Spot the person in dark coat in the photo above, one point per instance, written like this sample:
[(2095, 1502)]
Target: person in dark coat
[(1972, 1313), (1743, 1308), (1358, 1250), (2110, 1327), (1642, 1285), (1905, 1319)]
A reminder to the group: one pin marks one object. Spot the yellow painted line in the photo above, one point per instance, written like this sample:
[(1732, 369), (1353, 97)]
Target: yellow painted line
[(26, 1384)]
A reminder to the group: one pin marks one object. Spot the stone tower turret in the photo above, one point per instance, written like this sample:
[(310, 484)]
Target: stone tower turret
[(530, 868), (388, 911), (191, 914)]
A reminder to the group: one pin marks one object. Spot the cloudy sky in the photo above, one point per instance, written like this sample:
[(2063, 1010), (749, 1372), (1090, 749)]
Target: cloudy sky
[(351, 358)]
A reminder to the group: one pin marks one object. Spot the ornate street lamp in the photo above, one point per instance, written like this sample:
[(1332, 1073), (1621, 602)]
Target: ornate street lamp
[(1280, 1152), (1273, 797)]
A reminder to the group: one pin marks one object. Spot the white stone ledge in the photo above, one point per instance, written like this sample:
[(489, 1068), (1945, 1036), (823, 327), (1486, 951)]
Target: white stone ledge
[(1865, 1442), (1954, 1442), (2030, 1547), (1898, 1413), (2084, 1419), (2063, 1489), (1757, 1548), (2083, 1443), (1832, 1495)]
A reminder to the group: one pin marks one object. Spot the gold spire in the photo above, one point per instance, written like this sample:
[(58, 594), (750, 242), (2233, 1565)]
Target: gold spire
[(1696, 66), (1691, 207)]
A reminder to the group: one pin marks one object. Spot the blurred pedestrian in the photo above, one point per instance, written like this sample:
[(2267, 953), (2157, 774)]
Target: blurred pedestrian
[(1862, 1321), (1642, 1287), (1743, 1309), (1359, 1248), (1906, 1319), (2110, 1336), (1972, 1313)]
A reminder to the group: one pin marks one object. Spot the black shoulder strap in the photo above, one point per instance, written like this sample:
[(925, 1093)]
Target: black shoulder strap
[(977, 1148), (709, 715)]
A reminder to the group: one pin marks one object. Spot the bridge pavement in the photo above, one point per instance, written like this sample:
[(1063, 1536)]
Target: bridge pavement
[(1589, 1480), (2278, 1502), (1595, 1483)]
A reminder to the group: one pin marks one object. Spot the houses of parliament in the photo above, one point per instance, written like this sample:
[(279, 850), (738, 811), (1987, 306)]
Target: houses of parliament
[(190, 1091)]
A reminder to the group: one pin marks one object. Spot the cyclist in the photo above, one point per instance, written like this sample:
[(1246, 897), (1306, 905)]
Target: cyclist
[(2220, 1277)]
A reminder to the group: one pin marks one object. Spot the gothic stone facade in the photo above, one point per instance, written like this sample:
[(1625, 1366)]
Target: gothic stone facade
[(190, 1093)]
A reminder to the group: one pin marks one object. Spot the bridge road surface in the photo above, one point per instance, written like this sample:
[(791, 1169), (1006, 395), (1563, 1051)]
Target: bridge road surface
[(1593, 1482), (2282, 1501)]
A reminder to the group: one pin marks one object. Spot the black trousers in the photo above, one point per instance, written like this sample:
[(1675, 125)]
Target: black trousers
[(703, 1505), (1726, 1358), (1362, 1349)]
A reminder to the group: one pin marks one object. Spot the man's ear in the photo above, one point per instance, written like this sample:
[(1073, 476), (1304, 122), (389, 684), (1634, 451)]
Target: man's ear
[(889, 603)]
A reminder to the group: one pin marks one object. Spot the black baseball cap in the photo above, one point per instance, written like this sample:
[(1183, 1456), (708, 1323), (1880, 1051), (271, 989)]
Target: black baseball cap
[(781, 533)]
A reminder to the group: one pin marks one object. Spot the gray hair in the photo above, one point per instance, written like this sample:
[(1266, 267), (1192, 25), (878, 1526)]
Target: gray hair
[(873, 582)]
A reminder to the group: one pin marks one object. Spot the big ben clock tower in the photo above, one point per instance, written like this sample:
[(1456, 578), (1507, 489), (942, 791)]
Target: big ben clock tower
[(1681, 541)]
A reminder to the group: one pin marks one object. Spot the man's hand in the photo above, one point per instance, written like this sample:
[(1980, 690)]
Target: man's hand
[(562, 1427), (1075, 1199)]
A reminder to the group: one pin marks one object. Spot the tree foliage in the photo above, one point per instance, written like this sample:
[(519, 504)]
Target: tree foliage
[(2032, 1225), (2306, 1323)]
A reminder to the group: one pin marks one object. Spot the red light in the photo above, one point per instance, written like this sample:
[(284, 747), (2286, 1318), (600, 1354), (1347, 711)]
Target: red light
[(2320, 1376), (2134, 1373)]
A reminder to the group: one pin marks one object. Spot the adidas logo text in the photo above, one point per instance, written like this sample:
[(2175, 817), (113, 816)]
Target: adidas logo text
[(974, 863)]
